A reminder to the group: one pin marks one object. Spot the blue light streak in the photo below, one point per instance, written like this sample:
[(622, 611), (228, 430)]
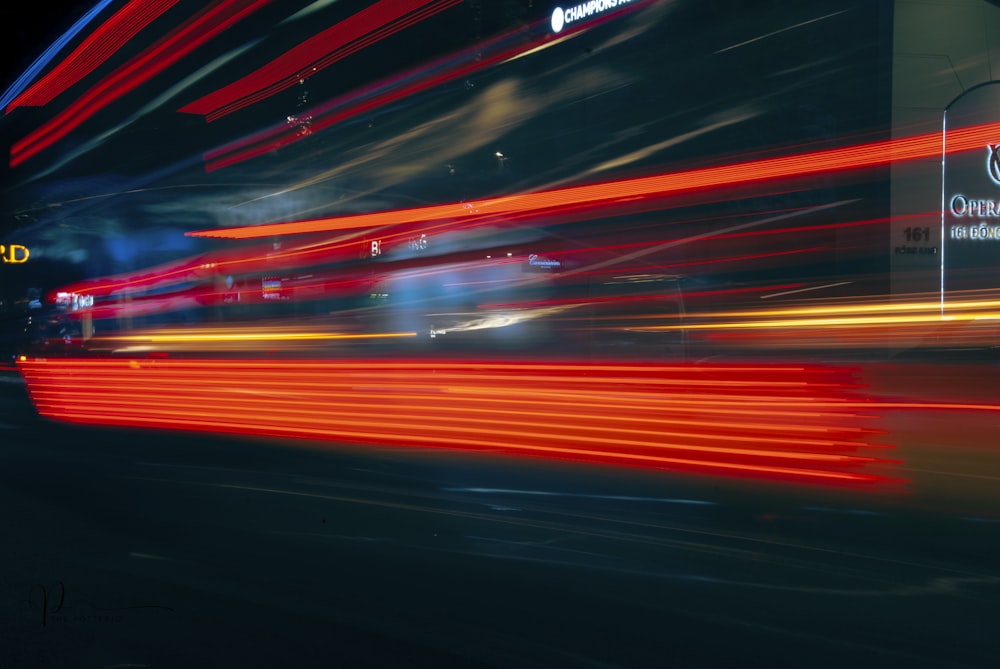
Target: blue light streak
[(49, 54)]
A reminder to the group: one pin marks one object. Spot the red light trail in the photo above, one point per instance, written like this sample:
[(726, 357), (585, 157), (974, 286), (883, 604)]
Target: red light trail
[(793, 423), (492, 52), (106, 39), (343, 109), (192, 34), (353, 34)]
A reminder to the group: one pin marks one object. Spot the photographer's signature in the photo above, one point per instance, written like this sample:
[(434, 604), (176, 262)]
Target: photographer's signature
[(51, 603)]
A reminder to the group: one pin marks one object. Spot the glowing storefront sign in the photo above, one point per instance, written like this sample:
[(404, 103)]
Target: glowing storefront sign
[(14, 254), (970, 198), (536, 260), (982, 219), (273, 288), (74, 301), (564, 17)]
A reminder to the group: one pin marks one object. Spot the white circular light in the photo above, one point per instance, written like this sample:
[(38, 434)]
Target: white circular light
[(558, 19)]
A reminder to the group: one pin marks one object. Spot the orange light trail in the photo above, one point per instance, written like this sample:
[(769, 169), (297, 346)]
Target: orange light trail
[(874, 154), (793, 423)]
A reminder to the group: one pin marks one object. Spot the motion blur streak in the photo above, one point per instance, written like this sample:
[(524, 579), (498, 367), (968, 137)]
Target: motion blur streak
[(803, 423), (376, 96), (504, 48), (106, 39), (316, 53), (205, 25), (261, 338), (847, 315), (862, 156), (50, 53), (966, 323)]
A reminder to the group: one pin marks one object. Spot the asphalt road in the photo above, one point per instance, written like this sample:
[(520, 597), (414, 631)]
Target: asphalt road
[(142, 549)]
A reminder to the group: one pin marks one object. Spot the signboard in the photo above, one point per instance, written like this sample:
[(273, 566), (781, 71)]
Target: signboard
[(563, 18), (970, 202), (541, 263), (273, 288), (74, 301), (13, 254)]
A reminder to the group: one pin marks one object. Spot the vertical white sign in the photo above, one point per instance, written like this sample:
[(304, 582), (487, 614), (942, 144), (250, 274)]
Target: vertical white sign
[(970, 198)]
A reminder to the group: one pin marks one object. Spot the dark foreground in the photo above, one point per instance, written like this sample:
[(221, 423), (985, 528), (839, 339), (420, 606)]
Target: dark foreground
[(135, 549)]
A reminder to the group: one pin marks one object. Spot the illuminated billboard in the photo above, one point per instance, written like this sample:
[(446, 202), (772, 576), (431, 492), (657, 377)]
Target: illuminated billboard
[(13, 254), (970, 203)]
